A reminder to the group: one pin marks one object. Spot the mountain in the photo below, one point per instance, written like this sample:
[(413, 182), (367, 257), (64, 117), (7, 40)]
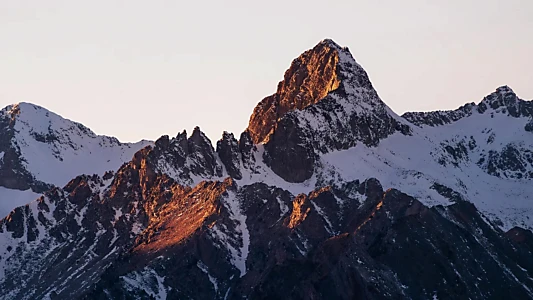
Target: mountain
[(328, 194), (39, 150)]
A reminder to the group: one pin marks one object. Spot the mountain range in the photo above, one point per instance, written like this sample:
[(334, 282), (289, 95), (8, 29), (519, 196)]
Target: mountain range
[(328, 194)]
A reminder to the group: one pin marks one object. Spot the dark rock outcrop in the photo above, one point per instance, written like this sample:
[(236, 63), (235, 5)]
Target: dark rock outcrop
[(246, 148), (437, 118), (289, 152), (529, 126), (201, 151), (512, 161), (229, 153)]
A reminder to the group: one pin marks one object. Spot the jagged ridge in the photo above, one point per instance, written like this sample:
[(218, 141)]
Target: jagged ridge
[(297, 215)]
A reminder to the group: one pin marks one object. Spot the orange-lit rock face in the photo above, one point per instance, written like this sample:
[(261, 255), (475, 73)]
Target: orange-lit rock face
[(316, 193), (186, 212), (309, 79), (371, 215), (300, 209)]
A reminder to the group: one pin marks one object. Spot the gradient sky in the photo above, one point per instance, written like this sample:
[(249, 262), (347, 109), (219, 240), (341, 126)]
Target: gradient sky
[(140, 69)]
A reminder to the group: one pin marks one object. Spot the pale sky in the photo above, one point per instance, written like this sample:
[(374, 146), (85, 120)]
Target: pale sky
[(140, 69)]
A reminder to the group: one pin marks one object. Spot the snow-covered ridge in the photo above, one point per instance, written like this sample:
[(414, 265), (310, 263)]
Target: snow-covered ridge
[(502, 101), (56, 150), (41, 146)]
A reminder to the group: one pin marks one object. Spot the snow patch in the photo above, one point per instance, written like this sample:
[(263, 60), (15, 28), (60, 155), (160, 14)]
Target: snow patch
[(147, 280), (204, 269), (11, 199), (219, 231)]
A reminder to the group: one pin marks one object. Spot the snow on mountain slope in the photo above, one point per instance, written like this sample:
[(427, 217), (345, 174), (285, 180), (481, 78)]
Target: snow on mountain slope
[(56, 149), (40, 149), (411, 164), (9, 199)]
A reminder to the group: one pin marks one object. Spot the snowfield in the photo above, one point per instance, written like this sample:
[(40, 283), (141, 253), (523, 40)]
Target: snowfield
[(10, 199)]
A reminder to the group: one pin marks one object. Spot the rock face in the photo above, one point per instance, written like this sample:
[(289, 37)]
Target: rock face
[(228, 151), (310, 78), (327, 195)]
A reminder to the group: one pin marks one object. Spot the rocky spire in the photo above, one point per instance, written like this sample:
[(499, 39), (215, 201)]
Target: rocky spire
[(309, 79), (228, 151)]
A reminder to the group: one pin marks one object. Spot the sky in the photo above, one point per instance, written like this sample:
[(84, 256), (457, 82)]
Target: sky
[(140, 69)]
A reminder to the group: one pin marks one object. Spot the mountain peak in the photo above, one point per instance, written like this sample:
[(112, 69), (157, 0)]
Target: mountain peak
[(29, 105), (505, 100), (325, 102), (329, 43), (313, 75), (17, 108), (504, 89), (37, 120)]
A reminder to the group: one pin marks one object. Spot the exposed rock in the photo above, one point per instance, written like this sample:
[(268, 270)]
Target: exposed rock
[(201, 151), (512, 161), (447, 192), (521, 236), (246, 146), (504, 100), (184, 159), (289, 152), (229, 153), (436, 118), (529, 126), (310, 78)]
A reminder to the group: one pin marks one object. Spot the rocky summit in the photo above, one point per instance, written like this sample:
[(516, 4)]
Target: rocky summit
[(328, 194)]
